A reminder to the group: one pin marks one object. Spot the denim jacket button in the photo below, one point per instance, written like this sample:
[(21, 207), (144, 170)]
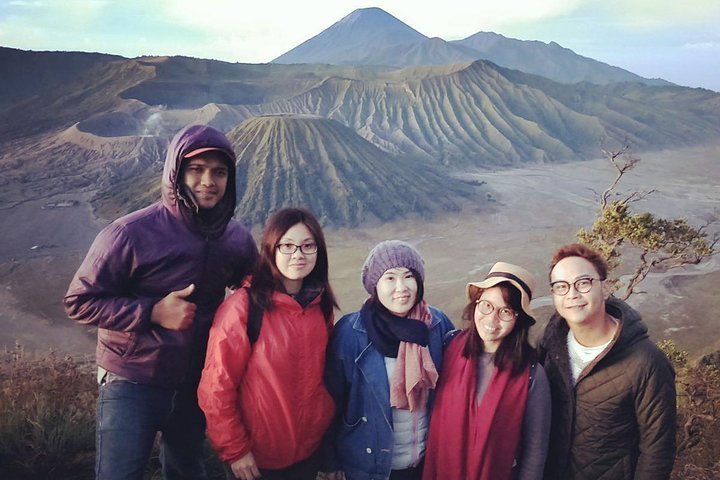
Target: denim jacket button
[(368, 450)]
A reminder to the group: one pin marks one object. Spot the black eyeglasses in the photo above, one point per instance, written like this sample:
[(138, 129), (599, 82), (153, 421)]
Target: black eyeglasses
[(581, 285), (290, 248), (506, 314)]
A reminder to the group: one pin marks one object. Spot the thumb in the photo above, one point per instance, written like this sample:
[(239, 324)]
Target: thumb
[(185, 292)]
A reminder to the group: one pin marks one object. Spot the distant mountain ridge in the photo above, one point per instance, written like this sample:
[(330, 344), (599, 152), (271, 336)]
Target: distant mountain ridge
[(371, 36), (102, 132)]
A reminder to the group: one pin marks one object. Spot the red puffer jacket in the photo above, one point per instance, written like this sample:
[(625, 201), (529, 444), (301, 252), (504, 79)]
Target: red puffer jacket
[(268, 398)]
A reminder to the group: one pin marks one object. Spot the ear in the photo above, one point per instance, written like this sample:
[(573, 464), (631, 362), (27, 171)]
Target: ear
[(606, 290)]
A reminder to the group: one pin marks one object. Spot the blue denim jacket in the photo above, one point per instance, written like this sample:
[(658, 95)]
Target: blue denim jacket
[(360, 441)]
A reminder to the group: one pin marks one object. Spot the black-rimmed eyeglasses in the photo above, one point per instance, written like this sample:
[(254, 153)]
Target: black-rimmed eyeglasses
[(290, 248), (581, 285)]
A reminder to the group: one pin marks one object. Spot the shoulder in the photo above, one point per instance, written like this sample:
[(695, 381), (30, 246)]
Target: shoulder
[(347, 324), (439, 318), (233, 309), (138, 217), (348, 335)]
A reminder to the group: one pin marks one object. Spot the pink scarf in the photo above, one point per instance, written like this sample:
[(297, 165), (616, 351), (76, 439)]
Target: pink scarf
[(415, 373)]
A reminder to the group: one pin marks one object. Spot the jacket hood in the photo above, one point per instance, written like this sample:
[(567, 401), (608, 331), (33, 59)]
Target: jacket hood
[(179, 202), (633, 328)]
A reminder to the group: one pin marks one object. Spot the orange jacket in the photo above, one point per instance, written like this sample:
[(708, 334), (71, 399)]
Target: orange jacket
[(270, 398)]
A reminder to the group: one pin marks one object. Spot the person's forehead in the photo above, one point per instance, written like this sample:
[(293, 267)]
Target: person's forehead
[(210, 160), (396, 271), (571, 268)]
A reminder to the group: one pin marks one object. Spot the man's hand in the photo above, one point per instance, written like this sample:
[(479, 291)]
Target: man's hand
[(174, 312), (246, 468)]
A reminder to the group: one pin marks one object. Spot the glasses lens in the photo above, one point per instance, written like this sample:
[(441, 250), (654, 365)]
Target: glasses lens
[(485, 307), (308, 248), (287, 248), (560, 288), (583, 285), (506, 314)]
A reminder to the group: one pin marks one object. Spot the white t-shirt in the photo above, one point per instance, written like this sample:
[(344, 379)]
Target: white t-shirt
[(580, 355)]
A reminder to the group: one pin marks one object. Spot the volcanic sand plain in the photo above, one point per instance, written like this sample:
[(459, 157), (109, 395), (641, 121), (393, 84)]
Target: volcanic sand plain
[(528, 213)]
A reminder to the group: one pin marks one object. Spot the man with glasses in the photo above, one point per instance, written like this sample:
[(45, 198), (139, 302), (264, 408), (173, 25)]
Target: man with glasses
[(613, 390)]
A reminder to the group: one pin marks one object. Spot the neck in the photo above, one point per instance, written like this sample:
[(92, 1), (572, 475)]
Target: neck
[(292, 287), (490, 347), (593, 334)]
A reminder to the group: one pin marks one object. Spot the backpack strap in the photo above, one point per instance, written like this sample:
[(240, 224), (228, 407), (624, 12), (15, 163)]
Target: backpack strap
[(254, 320)]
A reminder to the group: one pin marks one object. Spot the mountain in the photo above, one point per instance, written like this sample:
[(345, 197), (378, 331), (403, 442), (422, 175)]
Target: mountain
[(27, 73), (548, 60), (349, 40), (480, 115), (371, 36), (286, 160), (103, 136)]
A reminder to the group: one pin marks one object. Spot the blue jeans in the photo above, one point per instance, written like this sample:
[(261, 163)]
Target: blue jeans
[(129, 416)]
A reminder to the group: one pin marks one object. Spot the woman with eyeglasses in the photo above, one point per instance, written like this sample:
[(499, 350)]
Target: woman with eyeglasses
[(383, 364), (265, 402), (491, 420)]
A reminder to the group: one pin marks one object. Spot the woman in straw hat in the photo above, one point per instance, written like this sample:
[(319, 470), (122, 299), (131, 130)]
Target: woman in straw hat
[(383, 363), (491, 420)]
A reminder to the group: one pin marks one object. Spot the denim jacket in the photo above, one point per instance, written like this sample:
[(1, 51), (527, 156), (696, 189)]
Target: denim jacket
[(360, 441)]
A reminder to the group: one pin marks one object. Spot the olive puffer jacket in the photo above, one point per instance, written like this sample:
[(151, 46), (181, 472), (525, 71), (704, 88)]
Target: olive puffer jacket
[(618, 421)]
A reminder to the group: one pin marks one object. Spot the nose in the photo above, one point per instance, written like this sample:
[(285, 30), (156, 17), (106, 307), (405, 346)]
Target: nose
[(207, 178), (400, 284)]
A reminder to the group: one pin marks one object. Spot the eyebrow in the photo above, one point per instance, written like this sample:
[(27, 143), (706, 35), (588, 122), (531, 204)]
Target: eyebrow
[(291, 240), (579, 277)]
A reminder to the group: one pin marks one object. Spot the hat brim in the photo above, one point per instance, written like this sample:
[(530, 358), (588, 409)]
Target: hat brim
[(199, 151), (473, 288)]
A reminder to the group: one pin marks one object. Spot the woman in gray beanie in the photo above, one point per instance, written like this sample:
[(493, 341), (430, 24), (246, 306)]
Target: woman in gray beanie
[(382, 367)]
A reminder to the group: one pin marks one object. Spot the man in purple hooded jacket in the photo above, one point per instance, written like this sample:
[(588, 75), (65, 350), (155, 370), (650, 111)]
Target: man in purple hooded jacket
[(151, 283)]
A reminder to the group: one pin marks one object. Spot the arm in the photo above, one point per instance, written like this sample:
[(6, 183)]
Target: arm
[(536, 428), (655, 410), (248, 262), (226, 362), (100, 293), (338, 385)]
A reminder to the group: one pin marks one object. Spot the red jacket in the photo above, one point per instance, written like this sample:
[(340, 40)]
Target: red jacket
[(270, 398)]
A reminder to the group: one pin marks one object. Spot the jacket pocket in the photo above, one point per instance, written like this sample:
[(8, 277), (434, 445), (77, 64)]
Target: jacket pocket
[(121, 344)]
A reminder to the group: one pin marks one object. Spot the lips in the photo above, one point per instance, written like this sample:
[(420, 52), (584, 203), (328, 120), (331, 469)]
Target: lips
[(206, 193)]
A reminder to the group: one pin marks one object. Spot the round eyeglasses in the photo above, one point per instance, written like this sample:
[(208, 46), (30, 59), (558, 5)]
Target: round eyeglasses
[(506, 314), (290, 248), (581, 285)]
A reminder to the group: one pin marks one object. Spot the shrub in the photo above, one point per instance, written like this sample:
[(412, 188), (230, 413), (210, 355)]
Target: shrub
[(47, 427)]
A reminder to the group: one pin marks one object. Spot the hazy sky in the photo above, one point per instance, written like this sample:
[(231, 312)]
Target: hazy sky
[(675, 40)]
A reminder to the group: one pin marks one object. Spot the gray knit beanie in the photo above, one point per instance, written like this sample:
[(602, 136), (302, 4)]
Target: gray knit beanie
[(390, 254)]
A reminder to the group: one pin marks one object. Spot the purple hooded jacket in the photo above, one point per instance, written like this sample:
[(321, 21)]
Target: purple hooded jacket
[(140, 258)]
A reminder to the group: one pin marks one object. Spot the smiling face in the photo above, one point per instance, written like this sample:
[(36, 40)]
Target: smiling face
[(491, 329), (579, 309), (397, 290), (206, 176), (295, 266)]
